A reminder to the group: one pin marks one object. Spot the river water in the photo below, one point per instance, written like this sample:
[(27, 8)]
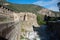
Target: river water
[(39, 33)]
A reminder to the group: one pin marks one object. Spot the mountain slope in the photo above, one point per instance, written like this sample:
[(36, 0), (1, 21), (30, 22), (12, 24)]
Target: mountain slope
[(24, 7), (20, 7)]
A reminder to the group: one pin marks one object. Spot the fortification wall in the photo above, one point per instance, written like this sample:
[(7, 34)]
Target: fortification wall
[(9, 28), (27, 20), (22, 24), (10, 31)]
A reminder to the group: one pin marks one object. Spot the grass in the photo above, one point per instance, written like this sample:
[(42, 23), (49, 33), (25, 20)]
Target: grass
[(40, 19)]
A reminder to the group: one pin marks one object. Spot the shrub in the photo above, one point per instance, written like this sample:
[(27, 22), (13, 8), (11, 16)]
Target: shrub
[(40, 20)]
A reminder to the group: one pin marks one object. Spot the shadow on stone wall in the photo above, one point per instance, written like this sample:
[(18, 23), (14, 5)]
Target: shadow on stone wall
[(54, 30), (1, 38), (6, 29)]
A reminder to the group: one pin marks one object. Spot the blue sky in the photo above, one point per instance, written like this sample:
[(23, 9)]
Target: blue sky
[(22, 1), (50, 4)]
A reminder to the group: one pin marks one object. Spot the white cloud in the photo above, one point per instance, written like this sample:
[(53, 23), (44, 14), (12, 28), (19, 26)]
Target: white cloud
[(52, 5), (54, 8)]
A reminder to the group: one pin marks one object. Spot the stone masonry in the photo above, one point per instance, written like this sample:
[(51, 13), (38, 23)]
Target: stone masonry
[(17, 24), (9, 28)]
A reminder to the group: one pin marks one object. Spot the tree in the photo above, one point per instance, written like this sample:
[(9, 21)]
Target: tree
[(58, 4)]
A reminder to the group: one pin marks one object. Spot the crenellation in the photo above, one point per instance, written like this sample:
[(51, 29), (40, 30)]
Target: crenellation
[(3, 9)]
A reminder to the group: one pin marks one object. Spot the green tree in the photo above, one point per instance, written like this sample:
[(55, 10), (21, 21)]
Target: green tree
[(40, 19), (58, 4)]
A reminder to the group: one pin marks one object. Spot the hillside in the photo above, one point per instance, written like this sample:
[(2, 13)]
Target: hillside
[(23, 7)]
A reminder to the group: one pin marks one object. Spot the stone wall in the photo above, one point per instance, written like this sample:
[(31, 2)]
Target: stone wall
[(29, 17), (22, 24), (27, 20), (10, 31), (9, 28)]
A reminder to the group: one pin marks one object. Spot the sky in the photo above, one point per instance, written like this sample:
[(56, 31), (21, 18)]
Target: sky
[(49, 4)]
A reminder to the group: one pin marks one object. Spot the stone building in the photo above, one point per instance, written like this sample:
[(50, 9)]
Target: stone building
[(17, 24)]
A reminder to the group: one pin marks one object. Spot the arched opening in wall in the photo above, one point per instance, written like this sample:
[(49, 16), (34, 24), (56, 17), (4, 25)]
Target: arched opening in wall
[(0, 5), (24, 17)]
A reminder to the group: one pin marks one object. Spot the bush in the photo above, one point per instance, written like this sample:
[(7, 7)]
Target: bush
[(40, 20)]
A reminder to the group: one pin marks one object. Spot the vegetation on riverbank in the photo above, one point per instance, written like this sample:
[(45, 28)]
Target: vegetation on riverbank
[(40, 19)]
